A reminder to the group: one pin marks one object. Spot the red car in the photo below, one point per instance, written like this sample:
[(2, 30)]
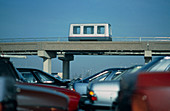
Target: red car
[(152, 92), (148, 89), (34, 98), (38, 97), (74, 97), (22, 97)]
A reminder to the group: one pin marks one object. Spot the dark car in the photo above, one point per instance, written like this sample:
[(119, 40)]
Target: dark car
[(8, 100), (32, 75), (146, 92)]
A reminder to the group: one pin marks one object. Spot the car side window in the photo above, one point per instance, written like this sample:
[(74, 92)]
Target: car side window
[(115, 74), (43, 78), (29, 77), (119, 77)]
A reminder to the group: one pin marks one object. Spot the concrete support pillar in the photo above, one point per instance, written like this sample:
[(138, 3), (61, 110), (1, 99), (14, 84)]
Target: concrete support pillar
[(47, 65), (47, 56), (148, 56), (66, 64), (66, 69)]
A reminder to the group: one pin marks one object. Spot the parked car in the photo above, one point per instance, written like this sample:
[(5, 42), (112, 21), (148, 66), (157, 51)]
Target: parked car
[(58, 77), (102, 94), (81, 85), (74, 97), (8, 100), (8, 93), (68, 100), (28, 98), (146, 91), (32, 75), (35, 98)]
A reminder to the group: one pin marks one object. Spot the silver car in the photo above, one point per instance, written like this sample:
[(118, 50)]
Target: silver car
[(81, 86), (102, 94)]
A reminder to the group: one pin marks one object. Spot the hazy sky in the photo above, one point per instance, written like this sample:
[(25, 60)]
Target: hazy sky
[(51, 18)]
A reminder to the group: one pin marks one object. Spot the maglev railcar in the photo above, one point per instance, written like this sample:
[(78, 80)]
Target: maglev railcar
[(90, 32)]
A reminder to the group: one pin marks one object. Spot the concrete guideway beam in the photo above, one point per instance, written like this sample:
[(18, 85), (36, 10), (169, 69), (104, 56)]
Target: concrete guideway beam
[(66, 58), (47, 56)]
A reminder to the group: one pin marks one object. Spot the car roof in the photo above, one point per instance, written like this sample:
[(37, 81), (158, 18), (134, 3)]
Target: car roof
[(109, 69)]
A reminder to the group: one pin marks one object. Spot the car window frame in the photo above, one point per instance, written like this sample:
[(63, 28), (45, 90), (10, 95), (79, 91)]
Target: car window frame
[(39, 72), (27, 70), (30, 74), (161, 66)]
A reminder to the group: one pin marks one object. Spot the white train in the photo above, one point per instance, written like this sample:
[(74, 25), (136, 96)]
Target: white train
[(90, 32)]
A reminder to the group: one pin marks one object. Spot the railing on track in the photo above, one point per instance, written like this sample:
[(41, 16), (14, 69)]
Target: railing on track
[(34, 39), (140, 38), (64, 39)]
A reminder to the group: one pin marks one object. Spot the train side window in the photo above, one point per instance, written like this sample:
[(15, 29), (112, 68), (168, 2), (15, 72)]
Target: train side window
[(100, 29), (76, 29), (88, 29)]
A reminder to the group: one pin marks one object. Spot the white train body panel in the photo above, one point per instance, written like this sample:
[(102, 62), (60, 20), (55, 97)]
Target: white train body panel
[(90, 32)]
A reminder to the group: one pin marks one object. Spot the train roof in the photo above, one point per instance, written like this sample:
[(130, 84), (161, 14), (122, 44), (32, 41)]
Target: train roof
[(92, 24)]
